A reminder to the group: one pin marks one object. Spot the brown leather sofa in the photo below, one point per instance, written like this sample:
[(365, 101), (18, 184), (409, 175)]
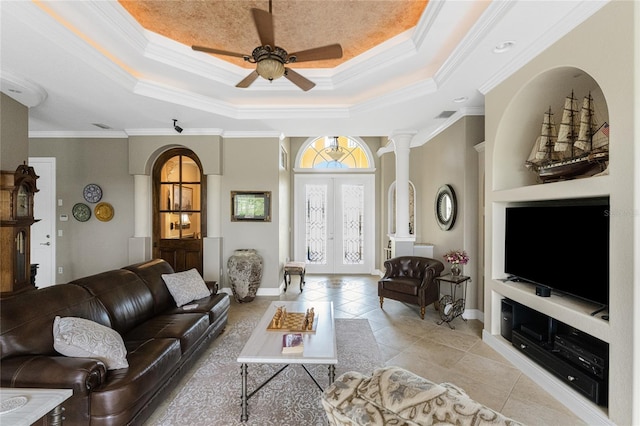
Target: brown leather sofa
[(410, 279), (162, 341)]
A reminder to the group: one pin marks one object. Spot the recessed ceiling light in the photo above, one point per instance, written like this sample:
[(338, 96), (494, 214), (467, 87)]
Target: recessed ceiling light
[(504, 46), (461, 99)]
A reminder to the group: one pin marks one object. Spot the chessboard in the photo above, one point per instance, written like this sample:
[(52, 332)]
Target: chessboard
[(292, 321)]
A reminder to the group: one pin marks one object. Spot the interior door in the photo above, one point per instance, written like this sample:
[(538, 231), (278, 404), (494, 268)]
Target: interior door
[(43, 232), (334, 223), (179, 210)]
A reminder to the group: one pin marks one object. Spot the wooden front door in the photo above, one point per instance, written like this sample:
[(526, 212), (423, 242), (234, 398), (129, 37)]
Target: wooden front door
[(179, 218)]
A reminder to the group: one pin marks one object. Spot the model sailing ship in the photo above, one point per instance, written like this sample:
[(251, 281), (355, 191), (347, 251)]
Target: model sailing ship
[(579, 148)]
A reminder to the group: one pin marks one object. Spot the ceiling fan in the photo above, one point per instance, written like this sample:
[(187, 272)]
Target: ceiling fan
[(270, 59)]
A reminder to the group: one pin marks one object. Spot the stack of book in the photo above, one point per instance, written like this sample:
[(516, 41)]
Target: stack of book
[(292, 343)]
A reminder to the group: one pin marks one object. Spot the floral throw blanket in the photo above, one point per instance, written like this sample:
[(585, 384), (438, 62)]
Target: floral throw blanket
[(394, 396)]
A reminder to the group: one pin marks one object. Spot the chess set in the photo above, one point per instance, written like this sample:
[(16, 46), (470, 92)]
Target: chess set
[(293, 321)]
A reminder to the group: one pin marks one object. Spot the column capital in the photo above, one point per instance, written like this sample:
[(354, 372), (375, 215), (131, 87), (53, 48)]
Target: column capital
[(402, 138)]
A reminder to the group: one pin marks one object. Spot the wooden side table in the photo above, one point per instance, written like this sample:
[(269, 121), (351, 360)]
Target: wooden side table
[(294, 268), (452, 305), (25, 406)]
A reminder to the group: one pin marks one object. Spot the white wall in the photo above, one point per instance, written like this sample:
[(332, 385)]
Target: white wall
[(87, 248), (251, 164)]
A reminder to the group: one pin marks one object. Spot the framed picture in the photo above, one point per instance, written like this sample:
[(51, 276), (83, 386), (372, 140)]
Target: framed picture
[(250, 206), (182, 195)]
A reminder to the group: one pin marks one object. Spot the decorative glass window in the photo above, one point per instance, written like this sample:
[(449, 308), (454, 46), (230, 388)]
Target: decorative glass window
[(334, 152)]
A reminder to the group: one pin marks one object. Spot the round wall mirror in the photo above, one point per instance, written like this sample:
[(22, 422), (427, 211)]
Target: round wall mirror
[(446, 207)]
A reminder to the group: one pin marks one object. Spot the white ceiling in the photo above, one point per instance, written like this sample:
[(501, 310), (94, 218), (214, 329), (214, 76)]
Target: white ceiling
[(82, 62)]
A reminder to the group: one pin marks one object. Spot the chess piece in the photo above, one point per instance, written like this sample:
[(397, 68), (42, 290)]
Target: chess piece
[(305, 322), (311, 318)]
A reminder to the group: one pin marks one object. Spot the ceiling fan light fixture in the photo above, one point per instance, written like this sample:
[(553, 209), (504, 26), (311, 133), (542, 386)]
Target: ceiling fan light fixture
[(270, 69)]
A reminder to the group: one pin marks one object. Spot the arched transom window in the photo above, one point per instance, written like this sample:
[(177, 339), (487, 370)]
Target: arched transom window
[(334, 152)]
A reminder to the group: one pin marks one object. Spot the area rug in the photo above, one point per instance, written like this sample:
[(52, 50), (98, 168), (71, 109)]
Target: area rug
[(211, 394)]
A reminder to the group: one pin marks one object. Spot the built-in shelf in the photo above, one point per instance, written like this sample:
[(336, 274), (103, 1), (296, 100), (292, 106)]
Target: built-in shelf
[(595, 186), (511, 183), (588, 411), (565, 308)]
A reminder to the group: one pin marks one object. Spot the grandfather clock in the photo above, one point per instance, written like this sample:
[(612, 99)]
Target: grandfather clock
[(16, 217)]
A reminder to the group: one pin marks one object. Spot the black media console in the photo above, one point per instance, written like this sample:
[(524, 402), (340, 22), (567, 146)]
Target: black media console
[(578, 359)]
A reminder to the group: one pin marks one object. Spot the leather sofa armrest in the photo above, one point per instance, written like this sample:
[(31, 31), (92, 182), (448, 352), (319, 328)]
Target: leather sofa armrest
[(58, 372)]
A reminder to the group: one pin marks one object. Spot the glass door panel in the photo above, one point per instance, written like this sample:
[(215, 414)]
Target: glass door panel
[(316, 197), (333, 233)]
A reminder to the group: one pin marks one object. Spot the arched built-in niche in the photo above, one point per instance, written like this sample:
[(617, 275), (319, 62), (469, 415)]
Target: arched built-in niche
[(391, 214), (521, 123)]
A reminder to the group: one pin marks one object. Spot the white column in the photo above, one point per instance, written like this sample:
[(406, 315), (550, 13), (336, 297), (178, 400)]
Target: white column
[(213, 267), (140, 243), (214, 201), (402, 142), (142, 206)]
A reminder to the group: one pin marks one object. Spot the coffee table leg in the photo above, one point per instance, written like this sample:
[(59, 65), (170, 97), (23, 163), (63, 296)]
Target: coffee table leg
[(55, 416), (243, 373), (332, 373)]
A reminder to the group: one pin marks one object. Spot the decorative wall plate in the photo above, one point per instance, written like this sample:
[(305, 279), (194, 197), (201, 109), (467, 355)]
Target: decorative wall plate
[(104, 212), (81, 212), (92, 193)]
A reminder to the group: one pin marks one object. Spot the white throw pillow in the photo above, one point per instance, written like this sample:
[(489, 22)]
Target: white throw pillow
[(82, 338), (186, 286)]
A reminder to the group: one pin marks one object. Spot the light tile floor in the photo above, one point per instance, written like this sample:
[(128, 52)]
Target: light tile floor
[(433, 351)]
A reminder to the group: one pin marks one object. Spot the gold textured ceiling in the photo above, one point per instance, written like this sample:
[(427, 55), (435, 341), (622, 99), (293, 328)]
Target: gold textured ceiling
[(358, 25)]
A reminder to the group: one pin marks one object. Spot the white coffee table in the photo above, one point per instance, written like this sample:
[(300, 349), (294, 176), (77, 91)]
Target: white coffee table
[(26, 405), (265, 346)]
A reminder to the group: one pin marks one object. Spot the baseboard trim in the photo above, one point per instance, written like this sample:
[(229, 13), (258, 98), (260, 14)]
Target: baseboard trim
[(473, 314), (589, 412)]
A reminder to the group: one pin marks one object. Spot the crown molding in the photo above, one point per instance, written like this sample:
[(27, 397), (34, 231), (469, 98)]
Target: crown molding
[(494, 13), (170, 94), (573, 18), (97, 134), (427, 135), (426, 22), (171, 132), (412, 91), (66, 35), (116, 17), (252, 134)]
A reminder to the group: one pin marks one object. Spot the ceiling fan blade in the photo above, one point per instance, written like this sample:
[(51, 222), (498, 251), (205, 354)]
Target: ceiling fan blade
[(298, 80), (264, 25), (246, 82), (332, 51), (217, 51)]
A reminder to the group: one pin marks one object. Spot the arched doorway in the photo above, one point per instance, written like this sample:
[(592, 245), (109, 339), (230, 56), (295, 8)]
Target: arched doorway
[(334, 203), (179, 215)]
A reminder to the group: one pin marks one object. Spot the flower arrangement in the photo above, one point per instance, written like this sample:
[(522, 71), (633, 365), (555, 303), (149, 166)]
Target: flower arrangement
[(457, 257)]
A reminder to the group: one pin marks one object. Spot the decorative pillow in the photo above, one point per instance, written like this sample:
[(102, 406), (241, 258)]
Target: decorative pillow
[(186, 286), (82, 338)]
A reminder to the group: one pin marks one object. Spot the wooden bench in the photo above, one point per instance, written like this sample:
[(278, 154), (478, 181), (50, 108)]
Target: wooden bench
[(293, 268)]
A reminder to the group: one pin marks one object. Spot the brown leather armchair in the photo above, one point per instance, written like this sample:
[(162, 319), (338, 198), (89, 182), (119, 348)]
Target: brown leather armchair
[(410, 279)]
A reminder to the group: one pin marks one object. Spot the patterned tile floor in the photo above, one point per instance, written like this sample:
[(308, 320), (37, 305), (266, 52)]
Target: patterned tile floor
[(427, 349)]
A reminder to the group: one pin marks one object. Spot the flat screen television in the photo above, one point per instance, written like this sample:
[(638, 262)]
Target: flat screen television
[(561, 245)]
